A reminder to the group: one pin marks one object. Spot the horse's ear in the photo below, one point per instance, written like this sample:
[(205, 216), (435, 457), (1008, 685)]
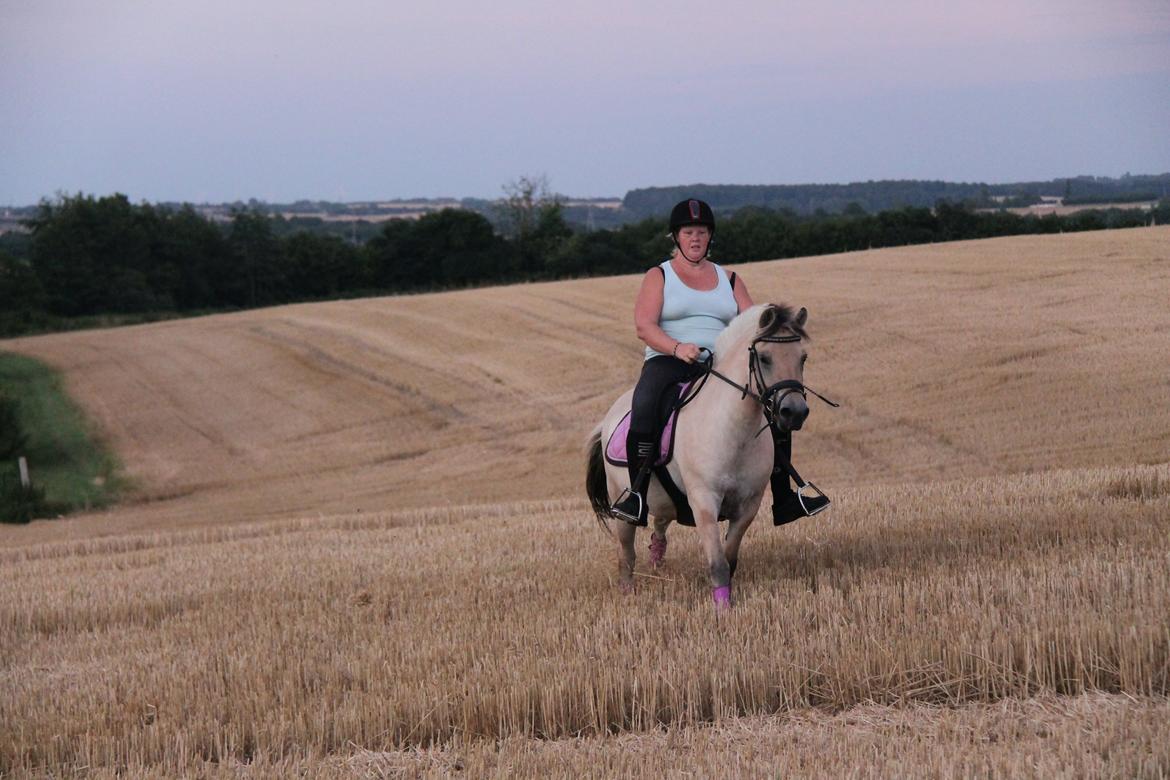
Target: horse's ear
[(801, 317), (767, 317)]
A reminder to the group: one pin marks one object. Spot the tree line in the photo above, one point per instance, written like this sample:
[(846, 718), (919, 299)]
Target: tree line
[(92, 257), (875, 196)]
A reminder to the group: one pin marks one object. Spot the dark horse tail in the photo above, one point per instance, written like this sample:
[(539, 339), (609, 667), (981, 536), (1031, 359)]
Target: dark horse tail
[(595, 484)]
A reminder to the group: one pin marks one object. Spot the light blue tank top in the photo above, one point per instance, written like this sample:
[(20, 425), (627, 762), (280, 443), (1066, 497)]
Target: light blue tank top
[(694, 316)]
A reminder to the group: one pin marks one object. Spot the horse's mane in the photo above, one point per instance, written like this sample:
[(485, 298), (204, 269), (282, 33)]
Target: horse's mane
[(746, 326)]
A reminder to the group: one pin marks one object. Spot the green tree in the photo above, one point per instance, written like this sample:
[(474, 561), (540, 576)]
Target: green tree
[(259, 278), (592, 254), (22, 297), (451, 247), (319, 266), (533, 218), (12, 438), (86, 252), (393, 257), (754, 234), (459, 247), (192, 259), (954, 221)]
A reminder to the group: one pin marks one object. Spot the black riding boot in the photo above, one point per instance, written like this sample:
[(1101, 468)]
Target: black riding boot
[(786, 506), (631, 505)]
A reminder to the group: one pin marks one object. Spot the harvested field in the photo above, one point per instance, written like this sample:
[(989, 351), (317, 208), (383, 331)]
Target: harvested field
[(359, 547)]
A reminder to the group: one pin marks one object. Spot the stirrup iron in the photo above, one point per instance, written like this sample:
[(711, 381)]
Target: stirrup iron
[(635, 519), (818, 493)]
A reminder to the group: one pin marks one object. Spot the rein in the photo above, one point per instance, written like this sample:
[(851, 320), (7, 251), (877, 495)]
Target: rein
[(767, 396)]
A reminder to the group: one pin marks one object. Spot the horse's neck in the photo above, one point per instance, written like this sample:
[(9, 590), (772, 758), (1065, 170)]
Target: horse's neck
[(726, 407)]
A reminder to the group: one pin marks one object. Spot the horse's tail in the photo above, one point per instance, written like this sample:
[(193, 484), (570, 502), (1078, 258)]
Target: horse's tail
[(595, 484)]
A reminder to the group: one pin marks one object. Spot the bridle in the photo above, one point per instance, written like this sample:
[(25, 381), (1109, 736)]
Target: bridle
[(769, 397), (773, 395)]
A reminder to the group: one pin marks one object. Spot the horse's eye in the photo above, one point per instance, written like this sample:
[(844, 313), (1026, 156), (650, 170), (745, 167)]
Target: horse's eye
[(765, 360)]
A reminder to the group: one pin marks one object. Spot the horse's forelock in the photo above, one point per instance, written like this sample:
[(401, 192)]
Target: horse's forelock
[(782, 318), (761, 320)]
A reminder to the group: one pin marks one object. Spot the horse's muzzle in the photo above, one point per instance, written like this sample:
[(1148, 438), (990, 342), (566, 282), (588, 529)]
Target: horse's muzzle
[(792, 413)]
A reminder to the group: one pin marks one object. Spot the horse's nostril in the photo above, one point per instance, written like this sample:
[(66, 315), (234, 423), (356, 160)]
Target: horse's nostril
[(793, 415)]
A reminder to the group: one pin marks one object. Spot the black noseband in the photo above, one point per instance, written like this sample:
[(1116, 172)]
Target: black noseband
[(769, 396), (773, 395)]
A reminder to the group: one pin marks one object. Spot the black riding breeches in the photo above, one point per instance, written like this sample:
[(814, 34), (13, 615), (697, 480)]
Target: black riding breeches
[(659, 373)]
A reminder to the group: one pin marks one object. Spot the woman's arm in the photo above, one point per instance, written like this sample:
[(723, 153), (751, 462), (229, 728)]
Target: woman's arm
[(743, 299), (647, 313)]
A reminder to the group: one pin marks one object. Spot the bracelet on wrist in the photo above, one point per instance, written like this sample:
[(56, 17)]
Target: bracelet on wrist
[(674, 351)]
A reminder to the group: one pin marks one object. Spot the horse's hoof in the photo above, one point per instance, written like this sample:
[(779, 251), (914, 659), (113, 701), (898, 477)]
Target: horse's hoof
[(657, 550), (627, 588), (722, 598)]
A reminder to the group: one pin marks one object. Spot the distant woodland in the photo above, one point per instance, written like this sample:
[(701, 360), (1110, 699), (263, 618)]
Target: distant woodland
[(87, 261), (876, 196)]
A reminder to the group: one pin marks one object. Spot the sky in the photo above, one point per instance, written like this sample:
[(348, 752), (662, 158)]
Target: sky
[(222, 100)]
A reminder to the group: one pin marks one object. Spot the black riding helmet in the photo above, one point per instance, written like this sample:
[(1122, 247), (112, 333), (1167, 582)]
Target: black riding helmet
[(691, 212)]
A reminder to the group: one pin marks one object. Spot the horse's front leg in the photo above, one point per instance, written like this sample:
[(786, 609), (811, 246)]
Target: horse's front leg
[(706, 510), (736, 528), (626, 556)]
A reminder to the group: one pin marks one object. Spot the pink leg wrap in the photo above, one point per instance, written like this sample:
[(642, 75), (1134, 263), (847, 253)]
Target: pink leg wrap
[(722, 596), (657, 549)]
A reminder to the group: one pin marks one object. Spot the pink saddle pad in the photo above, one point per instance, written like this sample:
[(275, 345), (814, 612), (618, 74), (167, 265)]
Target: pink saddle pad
[(615, 448)]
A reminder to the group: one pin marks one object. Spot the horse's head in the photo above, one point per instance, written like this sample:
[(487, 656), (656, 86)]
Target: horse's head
[(777, 356), (778, 351), (777, 347)]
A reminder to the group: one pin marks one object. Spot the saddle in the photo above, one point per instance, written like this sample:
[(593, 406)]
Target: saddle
[(668, 409), (615, 448)]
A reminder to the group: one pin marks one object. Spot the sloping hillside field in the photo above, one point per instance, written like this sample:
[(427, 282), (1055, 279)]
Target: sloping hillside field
[(357, 542)]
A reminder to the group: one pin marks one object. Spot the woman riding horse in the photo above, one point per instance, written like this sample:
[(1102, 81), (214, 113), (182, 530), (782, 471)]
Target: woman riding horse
[(683, 305)]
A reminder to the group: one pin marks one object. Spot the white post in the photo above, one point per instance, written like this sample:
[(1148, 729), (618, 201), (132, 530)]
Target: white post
[(23, 471)]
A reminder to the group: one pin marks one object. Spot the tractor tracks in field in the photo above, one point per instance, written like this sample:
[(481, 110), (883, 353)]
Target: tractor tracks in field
[(318, 358), (467, 373), (558, 332), (487, 386), (180, 409)]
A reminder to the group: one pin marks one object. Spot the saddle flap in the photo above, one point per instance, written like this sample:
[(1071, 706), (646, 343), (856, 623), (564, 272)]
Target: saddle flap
[(615, 448)]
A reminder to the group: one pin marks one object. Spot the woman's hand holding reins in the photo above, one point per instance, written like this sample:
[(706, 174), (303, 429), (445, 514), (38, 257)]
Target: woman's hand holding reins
[(686, 352)]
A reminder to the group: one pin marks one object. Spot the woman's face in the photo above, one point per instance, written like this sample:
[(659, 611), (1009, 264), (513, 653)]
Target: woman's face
[(694, 240)]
